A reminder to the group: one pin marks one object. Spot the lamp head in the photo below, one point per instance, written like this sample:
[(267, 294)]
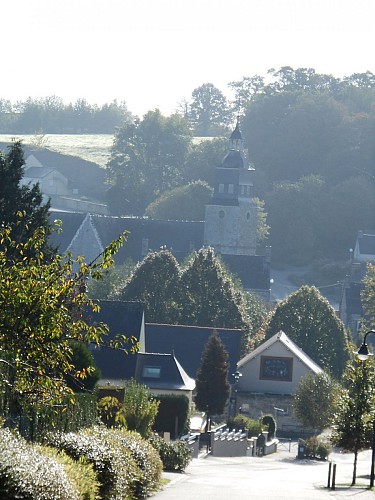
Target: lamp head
[(363, 352)]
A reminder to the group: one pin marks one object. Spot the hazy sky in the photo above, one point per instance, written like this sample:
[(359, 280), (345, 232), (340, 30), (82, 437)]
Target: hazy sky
[(153, 53)]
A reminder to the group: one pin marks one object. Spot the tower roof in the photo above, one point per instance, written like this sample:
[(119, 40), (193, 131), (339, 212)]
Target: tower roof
[(236, 134)]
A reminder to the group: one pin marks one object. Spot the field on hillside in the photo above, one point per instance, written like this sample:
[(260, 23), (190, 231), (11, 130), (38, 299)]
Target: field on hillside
[(90, 147)]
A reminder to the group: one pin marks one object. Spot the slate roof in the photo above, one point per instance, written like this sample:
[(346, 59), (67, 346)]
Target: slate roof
[(172, 374), (253, 270), (124, 318), (180, 237), (37, 172), (188, 343), (289, 344), (353, 298), (367, 243)]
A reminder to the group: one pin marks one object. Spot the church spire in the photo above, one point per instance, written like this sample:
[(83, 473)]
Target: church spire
[(236, 141)]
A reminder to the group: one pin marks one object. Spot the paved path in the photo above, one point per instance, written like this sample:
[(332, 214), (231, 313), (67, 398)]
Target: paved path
[(277, 477)]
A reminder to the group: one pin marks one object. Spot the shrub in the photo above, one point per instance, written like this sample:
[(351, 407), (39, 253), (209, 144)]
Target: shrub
[(175, 455), (26, 473), (253, 427), (171, 407), (115, 468), (317, 448), (139, 410), (80, 473), (146, 458)]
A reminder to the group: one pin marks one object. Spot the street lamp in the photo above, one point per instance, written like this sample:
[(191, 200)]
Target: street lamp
[(237, 375), (362, 354), (276, 410)]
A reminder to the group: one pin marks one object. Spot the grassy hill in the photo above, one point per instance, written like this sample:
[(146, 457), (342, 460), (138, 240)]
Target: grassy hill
[(89, 147)]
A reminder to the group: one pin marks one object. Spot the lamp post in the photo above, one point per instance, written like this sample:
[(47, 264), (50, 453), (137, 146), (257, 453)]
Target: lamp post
[(362, 354), (276, 410), (237, 375)]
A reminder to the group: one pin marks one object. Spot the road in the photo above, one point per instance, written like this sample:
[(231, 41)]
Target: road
[(278, 477)]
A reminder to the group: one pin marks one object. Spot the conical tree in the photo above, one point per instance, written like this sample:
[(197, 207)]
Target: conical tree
[(16, 199), (212, 387), (353, 422), (211, 297), (311, 322), (155, 282)]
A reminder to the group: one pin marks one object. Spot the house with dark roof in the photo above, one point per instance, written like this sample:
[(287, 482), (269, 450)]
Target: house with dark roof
[(187, 343), (163, 374), (269, 378)]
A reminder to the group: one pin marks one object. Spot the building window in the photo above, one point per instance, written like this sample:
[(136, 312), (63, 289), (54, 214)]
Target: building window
[(248, 216), (276, 368), (221, 188), (230, 188), (221, 214), (151, 372)]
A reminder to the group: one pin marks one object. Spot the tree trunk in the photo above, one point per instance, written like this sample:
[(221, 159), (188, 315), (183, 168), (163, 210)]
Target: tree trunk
[(355, 467)]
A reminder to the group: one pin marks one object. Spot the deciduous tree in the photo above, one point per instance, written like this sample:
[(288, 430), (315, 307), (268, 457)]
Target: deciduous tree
[(353, 421), (315, 399), (42, 307), (311, 322)]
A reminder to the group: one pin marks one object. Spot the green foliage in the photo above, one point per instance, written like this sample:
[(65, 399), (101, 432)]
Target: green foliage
[(368, 295), (353, 420), (212, 387), (209, 112), (186, 202), (83, 361), (210, 296), (315, 400), (16, 199), (147, 158), (139, 409), (253, 427), (147, 459), (203, 293), (80, 472), (26, 472), (203, 157), (155, 282), (115, 467), (70, 415), (112, 281), (41, 315), (175, 455), (317, 447), (108, 408), (310, 321), (172, 407)]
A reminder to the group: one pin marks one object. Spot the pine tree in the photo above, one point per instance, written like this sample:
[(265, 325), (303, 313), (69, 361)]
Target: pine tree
[(16, 199), (212, 387)]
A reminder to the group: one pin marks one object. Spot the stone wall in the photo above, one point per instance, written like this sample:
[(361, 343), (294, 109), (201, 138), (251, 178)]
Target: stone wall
[(255, 405)]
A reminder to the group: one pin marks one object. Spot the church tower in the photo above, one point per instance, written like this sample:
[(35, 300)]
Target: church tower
[(231, 216)]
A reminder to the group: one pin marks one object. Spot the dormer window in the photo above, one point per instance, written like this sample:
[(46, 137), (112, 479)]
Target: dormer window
[(221, 188), (151, 372), (230, 188)]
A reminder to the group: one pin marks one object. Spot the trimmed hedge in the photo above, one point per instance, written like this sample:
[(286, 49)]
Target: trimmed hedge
[(125, 470), (172, 406), (175, 455), (26, 473)]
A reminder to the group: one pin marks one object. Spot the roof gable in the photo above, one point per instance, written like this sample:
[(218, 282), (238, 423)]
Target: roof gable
[(162, 371), (288, 344)]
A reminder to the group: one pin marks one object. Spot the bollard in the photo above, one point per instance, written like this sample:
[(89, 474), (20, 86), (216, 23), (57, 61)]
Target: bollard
[(329, 475), (333, 486)]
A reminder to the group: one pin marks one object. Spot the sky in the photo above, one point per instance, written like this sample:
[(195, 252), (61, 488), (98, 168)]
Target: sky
[(154, 53)]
